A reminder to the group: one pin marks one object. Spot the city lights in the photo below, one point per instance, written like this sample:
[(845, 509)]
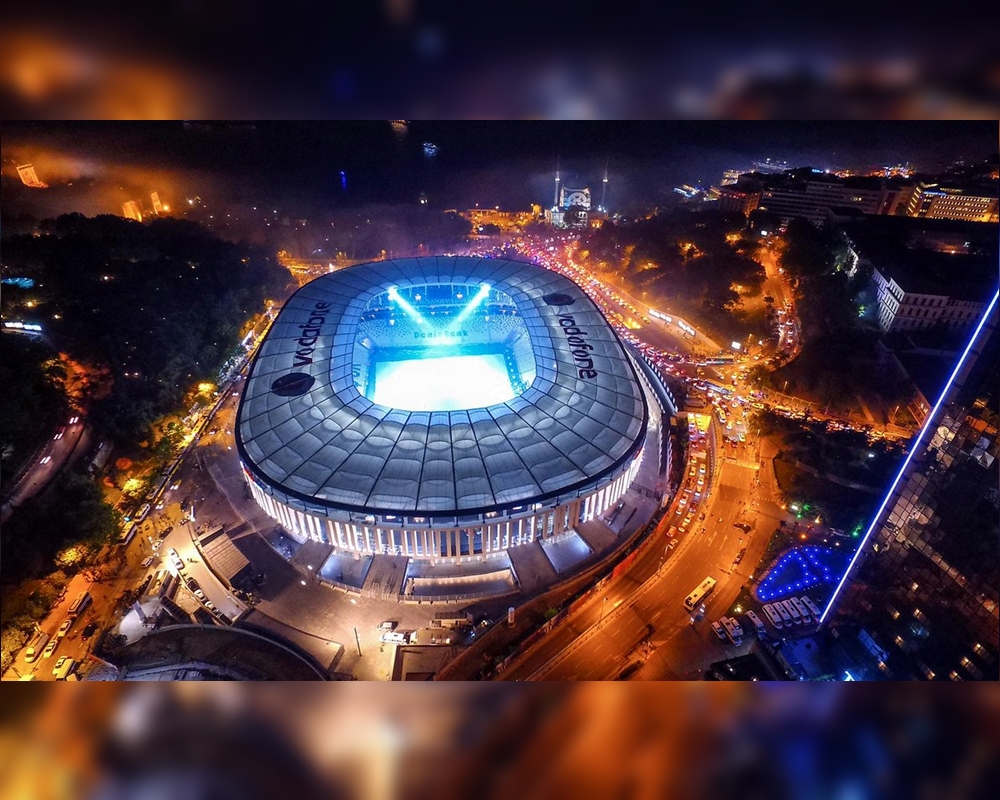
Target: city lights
[(404, 404), (914, 447)]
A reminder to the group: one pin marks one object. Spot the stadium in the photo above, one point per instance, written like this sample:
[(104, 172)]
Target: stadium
[(439, 408)]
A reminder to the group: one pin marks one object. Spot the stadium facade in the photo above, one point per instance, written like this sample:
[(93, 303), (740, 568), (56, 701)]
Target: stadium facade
[(439, 407)]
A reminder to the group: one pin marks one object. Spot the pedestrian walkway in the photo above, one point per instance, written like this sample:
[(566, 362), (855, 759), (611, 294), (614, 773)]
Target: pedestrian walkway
[(385, 577), (444, 582), (533, 568), (349, 569), (567, 551)]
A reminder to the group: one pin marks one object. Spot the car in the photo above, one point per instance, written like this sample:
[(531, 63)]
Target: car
[(719, 630), (88, 631), (387, 625), (758, 623), (148, 562), (45, 460), (73, 420), (50, 648), (64, 628), (193, 585), (60, 432), (396, 637), (63, 667)]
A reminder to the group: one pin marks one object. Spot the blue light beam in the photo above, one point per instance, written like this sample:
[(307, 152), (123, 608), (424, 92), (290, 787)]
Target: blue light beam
[(931, 418), (405, 305), (482, 294)]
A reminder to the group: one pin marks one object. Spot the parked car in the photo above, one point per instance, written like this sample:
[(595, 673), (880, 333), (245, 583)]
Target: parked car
[(64, 628), (719, 630)]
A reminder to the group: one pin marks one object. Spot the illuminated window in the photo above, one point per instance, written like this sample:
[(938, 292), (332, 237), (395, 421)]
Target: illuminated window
[(930, 674), (954, 676), (918, 614), (964, 661), (914, 586), (899, 641)]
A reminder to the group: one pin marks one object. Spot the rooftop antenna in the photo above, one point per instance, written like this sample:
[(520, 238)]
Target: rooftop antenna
[(604, 187), (555, 197)]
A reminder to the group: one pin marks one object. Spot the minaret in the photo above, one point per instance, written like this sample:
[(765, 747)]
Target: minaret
[(555, 197), (604, 188)]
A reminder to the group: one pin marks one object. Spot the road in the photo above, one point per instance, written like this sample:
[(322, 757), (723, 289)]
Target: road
[(645, 603), (49, 461)]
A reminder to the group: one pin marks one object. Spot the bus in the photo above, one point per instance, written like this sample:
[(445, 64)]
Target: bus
[(704, 589), (718, 387), (813, 609), (129, 533), (791, 610), (723, 359), (141, 514), (81, 602), (801, 608), (733, 630)]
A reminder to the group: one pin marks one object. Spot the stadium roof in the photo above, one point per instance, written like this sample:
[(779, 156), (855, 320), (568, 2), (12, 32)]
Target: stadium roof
[(304, 430)]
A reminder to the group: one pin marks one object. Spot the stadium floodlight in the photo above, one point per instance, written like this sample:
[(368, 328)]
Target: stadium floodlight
[(928, 423), (406, 306)]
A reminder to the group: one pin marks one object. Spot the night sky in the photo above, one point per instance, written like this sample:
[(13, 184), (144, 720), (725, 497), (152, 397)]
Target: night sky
[(298, 165)]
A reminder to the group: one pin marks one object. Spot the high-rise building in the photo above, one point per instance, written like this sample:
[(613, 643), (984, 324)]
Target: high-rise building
[(130, 209), (934, 201), (812, 193), (731, 176), (157, 205), (921, 597), (29, 177)]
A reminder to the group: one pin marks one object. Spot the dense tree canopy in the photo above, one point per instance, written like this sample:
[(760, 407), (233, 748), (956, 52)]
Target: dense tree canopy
[(32, 399), (678, 254), (161, 304), (72, 511)]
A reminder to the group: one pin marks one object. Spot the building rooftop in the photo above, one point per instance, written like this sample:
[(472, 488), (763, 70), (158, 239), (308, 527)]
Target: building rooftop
[(322, 442)]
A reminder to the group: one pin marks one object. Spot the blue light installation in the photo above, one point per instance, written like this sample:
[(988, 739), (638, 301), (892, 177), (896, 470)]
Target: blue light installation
[(800, 568), (931, 419)]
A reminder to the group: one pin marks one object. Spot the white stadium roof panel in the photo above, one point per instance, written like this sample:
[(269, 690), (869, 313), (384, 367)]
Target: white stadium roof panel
[(305, 431)]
